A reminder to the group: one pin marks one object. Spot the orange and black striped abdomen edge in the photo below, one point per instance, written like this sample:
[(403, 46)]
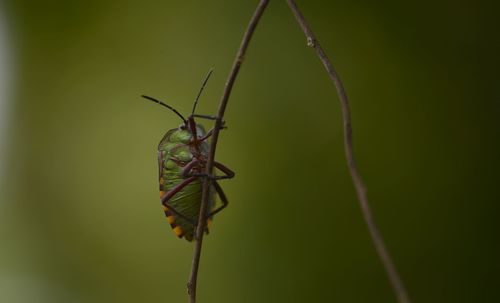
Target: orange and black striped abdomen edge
[(171, 217), (179, 232)]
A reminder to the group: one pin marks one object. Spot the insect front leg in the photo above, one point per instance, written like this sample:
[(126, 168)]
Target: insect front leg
[(207, 135), (211, 131), (211, 117), (208, 117), (168, 195)]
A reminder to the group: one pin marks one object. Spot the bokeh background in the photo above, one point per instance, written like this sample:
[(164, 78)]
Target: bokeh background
[(80, 219)]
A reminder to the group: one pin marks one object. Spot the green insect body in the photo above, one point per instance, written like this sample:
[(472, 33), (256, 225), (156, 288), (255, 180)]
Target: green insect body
[(174, 152), (182, 159)]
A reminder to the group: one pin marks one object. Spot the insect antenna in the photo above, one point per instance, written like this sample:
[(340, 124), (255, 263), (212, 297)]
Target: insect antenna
[(201, 89), (167, 106)]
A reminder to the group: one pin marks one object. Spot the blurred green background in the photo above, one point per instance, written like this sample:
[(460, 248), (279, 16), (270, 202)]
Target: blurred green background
[(80, 219)]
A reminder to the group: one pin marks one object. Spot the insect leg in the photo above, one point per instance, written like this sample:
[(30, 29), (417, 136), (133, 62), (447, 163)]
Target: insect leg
[(226, 170), (207, 135), (208, 117), (186, 171), (211, 177), (229, 173), (210, 132), (223, 198), (168, 195)]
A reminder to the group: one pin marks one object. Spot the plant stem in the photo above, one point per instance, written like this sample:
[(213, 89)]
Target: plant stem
[(213, 145), (390, 268)]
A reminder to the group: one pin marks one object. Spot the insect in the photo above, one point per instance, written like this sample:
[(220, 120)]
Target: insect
[(182, 158)]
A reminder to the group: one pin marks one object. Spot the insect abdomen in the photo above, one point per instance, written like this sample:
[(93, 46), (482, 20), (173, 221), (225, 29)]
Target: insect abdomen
[(186, 202)]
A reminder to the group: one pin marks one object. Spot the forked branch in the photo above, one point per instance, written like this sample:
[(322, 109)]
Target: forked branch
[(390, 268), (213, 145)]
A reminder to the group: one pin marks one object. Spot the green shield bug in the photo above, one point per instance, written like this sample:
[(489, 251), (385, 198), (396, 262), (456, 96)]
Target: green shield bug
[(182, 158)]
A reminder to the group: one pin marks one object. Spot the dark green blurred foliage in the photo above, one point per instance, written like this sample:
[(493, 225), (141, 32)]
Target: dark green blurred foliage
[(80, 219)]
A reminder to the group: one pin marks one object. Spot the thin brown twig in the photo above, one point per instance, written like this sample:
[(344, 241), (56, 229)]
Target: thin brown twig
[(213, 145), (383, 253)]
